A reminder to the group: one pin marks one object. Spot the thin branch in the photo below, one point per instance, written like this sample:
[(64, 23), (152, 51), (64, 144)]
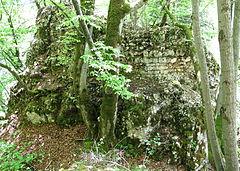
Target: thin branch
[(37, 4), (140, 4), (171, 16), (4, 87), (14, 35), (14, 74), (3, 104), (66, 15), (8, 58), (83, 24), (164, 18), (186, 28)]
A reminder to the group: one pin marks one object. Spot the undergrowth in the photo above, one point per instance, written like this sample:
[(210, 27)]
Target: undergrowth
[(15, 155), (94, 156)]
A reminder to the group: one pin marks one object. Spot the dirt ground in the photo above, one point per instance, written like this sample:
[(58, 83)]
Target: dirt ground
[(62, 148)]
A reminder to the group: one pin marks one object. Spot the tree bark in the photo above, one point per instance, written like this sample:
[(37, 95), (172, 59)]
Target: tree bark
[(228, 109), (236, 36), (209, 115), (134, 9), (83, 25), (81, 68), (108, 113)]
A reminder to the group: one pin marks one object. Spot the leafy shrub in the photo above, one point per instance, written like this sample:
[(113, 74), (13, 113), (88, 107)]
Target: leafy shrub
[(130, 149), (15, 156)]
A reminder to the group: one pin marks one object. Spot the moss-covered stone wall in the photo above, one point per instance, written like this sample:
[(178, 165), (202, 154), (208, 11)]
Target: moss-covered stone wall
[(166, 113)]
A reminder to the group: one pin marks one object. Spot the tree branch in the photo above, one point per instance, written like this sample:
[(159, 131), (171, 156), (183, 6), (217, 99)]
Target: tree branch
[(83, 24), (14, 74), (66, 15), (14, 35), (37, 4), (140, 4), (4, 88)]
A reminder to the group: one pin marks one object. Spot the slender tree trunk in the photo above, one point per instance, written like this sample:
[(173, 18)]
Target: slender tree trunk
[(134, 11), (236, 36), (164, 18), (108, 114), (211, 131), (228, 109), (81, 68), (37, 4)]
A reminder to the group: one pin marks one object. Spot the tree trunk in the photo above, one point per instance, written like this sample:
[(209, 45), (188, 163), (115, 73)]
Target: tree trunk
[(228, 109), (211, 131), (108, 114), (236, 36), (81, 68), (134, 12), (164, 18)]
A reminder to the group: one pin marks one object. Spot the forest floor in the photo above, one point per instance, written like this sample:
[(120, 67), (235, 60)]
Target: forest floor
[(63, 149)]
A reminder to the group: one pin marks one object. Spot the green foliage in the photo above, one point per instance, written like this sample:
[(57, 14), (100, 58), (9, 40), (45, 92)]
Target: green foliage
[(107, 70), (16, 156), (153, 14), (72, 19), (13, 31), (131, 149), (88, 146), (6, 78), (91, 20), (70, 36), (60, 60), (153, 145)]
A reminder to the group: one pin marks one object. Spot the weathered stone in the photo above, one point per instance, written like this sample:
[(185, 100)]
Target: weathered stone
[(166, 102), (165, 111), (34, 118)]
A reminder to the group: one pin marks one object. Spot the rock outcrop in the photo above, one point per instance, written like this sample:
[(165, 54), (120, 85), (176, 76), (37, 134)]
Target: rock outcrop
[(165, 114)]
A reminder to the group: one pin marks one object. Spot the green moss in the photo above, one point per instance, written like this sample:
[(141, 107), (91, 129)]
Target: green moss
[(108, 105), (126, 9), (187, 30), (108, 119), (117, 10)]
